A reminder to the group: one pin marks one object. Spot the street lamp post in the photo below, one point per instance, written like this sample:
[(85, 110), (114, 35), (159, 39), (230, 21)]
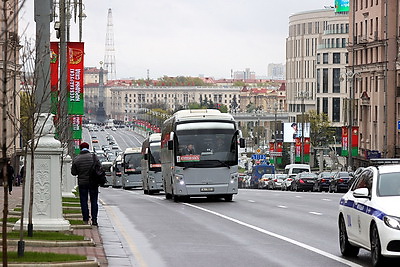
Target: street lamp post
[(350, 78), (303, 95)]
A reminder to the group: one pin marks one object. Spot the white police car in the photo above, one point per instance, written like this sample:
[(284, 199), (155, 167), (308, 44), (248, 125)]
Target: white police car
[(369, 214)]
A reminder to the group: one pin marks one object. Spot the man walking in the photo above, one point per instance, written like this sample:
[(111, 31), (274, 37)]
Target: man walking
[(10, 176), (81, 166)]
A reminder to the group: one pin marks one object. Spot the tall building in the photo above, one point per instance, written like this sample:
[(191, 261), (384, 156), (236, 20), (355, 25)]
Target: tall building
[(374, 70), (276, 71), (244, 75), (316, 57)]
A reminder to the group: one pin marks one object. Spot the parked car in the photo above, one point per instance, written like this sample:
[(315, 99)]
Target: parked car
[(340, 182), (304, 181), (263, 181), (323, 181), (287, 184), (369, 215), (276, 182)]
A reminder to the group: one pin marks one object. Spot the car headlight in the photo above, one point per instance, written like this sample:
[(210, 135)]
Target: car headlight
[(392, 222)]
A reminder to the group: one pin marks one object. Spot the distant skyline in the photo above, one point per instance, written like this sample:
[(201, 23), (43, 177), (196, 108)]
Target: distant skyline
[(185, 37)]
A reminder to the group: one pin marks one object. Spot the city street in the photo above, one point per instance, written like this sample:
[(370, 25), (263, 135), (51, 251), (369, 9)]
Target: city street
[(259, 228)]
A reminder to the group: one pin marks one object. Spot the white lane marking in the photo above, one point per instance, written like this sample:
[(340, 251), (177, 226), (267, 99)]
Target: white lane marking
[(251, 201), (141, 262), (292, 241), (283, 207), (326, 199), (315, 213), (299, 196)]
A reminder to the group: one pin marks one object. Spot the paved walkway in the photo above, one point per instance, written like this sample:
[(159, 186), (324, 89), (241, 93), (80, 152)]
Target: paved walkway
[(91, 252)]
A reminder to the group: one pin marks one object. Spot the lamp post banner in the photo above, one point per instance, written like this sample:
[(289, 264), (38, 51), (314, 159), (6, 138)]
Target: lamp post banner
[(54, 62), (354, 141), (345, 141), (75, 53), (298, 150)]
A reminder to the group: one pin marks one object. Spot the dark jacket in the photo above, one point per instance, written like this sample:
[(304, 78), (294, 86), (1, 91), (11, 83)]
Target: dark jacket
[(81, 166)]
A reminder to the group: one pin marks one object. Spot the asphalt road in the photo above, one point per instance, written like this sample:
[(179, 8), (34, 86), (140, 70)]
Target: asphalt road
[(258, 228)]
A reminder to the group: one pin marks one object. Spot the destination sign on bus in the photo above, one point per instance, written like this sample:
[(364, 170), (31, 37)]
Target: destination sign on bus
[(188, 158)]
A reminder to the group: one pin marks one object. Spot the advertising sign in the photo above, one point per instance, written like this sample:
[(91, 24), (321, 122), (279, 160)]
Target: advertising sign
[(293, 130), (342, 5), (75, 53), (345, 141)]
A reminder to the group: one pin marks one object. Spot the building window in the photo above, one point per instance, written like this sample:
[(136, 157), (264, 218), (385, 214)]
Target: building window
[(336, 109), (325, 58), (325, 80), (336, 80), (325, 105), (336, 58), (318, 80), (318, 59)]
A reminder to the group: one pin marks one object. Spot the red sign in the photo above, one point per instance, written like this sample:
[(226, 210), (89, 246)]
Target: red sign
[(54, 55), (306, 145), (188, 158), (354, 136), (298, 147)]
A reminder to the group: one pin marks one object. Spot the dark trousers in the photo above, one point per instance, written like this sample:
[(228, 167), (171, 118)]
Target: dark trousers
[(86, 191)]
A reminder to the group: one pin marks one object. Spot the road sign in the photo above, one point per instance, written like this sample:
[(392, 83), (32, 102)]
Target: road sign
[(398, 125), (275, 154), (257, 156), (258, 151)]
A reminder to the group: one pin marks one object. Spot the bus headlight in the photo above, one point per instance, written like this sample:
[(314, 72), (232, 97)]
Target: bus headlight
[(179, 178), (234, 178)]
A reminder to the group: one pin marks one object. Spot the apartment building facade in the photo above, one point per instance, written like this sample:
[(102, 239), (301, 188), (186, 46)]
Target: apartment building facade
[(316, 56), (375, 67), (9, 58)]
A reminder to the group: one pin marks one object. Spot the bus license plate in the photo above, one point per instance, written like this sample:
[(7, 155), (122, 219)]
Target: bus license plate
[(207, 189)]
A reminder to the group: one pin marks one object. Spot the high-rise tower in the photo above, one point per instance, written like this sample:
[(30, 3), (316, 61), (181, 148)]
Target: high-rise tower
[(109, 57)]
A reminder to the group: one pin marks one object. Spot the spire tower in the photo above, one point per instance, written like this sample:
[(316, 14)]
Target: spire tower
[(109, 57)]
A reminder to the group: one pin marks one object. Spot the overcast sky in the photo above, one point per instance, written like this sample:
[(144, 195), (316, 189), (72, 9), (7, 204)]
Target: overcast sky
[(186, 37)]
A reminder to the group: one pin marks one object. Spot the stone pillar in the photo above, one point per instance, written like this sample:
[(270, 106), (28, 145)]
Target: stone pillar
[(68, 181), (47, 203)]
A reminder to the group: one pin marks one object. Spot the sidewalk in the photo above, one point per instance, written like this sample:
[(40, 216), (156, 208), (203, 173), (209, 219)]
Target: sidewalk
[(92, 252)]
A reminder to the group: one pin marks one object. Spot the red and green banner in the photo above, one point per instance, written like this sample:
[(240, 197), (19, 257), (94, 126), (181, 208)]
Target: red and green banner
[(279, 149), (76, 122), (345, 141), (75, 54), (54, 60), (354, 141), (271, 150), (77, 142), (306, 155), (297, 157)]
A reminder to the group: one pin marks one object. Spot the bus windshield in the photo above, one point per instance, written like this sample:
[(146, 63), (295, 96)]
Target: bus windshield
[(205, 148), (132, 163), (154, 159)]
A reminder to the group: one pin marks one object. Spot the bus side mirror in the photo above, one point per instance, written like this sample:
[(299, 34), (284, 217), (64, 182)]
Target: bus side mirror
[(146, 156), (170, 145), (242, 143)]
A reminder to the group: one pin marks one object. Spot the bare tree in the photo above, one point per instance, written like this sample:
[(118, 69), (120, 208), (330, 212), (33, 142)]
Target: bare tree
[(10, 42)]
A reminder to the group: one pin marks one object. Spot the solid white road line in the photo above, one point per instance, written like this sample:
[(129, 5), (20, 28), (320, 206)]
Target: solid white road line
[(292, 241)]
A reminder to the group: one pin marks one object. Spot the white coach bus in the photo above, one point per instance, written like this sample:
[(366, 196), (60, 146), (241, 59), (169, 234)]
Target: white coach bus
[(132, 168), (199, 154), (151, 164)]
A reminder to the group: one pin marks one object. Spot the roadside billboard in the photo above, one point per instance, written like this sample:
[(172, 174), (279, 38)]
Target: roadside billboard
[(342, 5), (293, 130)]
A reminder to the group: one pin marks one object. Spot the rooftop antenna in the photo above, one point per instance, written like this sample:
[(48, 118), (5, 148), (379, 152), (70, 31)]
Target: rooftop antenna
[(109, 57)]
